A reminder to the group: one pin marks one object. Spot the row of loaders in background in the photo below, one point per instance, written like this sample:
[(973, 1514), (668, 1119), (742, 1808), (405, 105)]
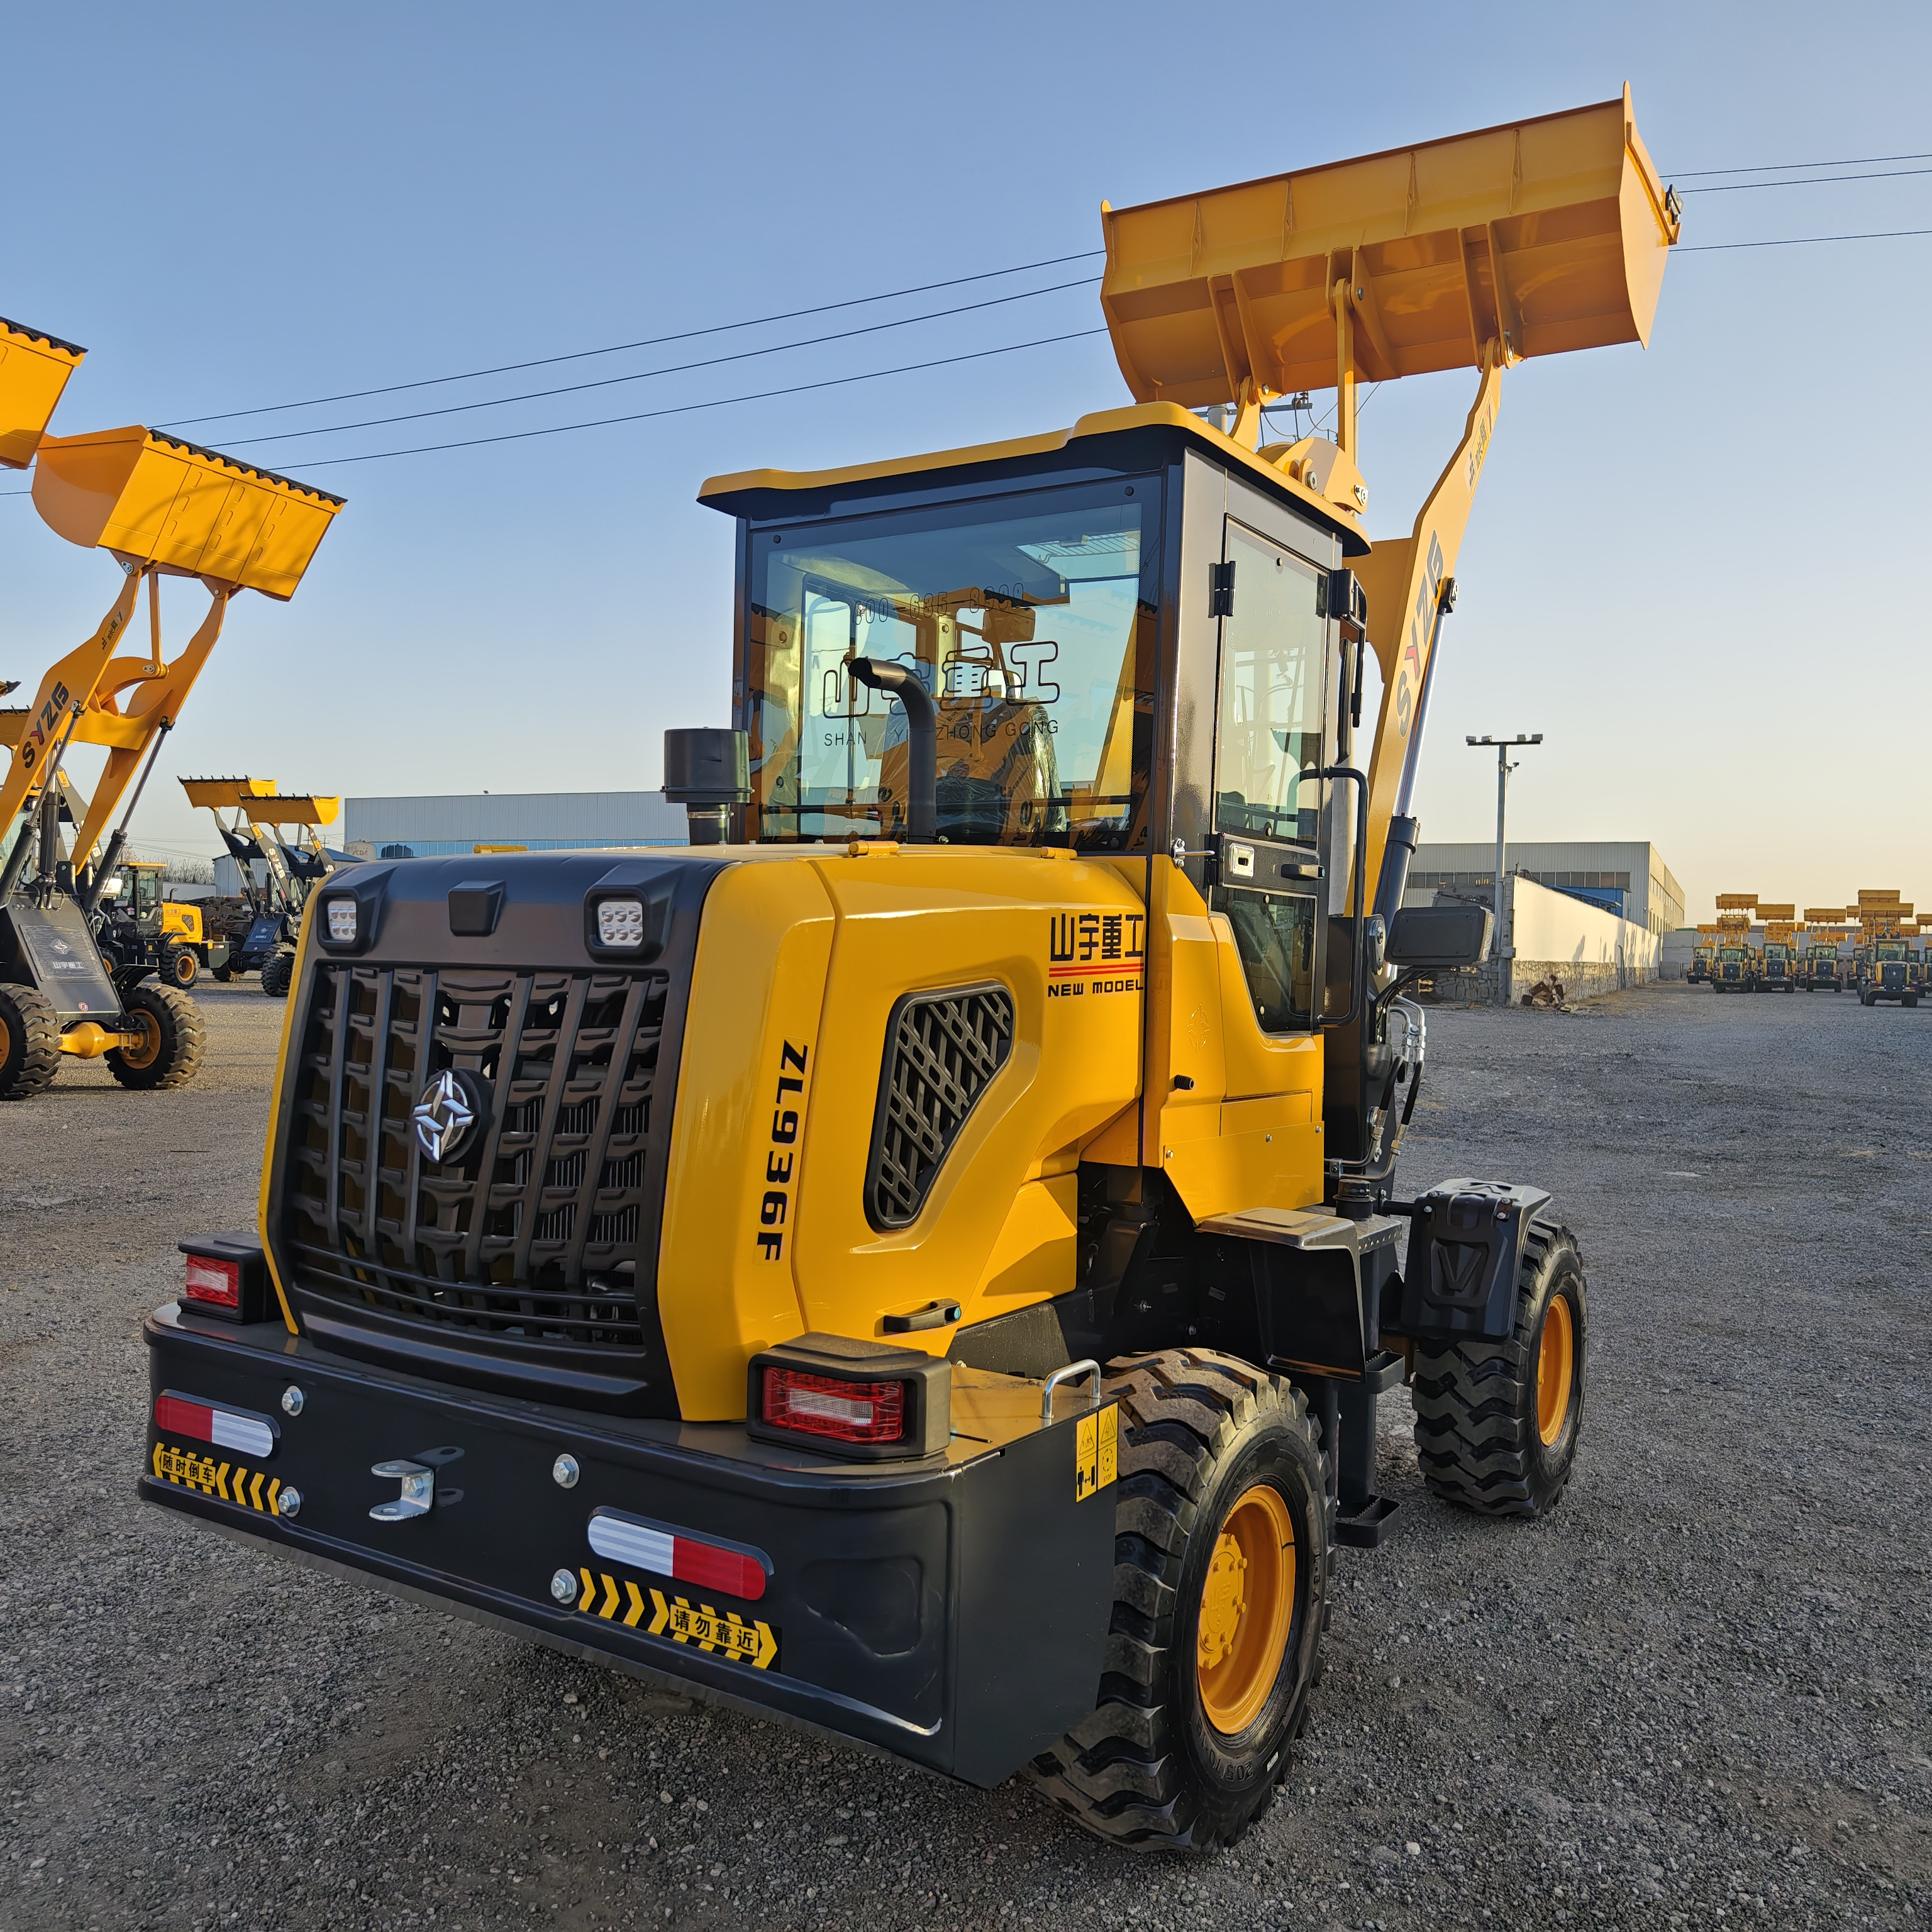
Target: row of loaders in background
[(93, 965), (276, 844), (1875, 948), (278, 847)]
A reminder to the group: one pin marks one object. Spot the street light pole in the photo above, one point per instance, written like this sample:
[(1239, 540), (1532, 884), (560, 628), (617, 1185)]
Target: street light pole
[(1503, 747)]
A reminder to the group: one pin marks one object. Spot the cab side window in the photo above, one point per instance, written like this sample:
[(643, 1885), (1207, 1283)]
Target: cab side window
[(1268, 732)]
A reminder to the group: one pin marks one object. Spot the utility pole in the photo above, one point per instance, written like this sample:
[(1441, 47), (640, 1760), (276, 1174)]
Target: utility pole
[(1503, 747)]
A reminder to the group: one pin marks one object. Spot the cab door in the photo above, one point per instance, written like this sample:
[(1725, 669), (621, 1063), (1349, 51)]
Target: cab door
[(1258, 1142)]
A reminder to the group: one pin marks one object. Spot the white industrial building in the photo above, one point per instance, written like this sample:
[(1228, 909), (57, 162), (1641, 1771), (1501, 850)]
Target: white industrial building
[(540, 821), (1590, 916), (1625, 877)]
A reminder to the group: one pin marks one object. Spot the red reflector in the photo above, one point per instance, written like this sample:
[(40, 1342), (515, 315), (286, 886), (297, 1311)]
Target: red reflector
[(822, 1405), (708, 1567), (209, 1279), (179, 1417)]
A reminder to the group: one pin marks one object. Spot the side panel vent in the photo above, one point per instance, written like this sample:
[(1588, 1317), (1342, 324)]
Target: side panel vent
[(942, 1051)]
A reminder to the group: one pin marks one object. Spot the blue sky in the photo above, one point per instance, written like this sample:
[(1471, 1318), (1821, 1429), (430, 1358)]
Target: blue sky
[(1691, 568)]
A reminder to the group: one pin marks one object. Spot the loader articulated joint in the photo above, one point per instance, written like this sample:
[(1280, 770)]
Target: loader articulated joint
[(922, 732)]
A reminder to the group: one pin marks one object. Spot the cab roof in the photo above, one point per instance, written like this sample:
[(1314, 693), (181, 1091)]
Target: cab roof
[(763, 495)]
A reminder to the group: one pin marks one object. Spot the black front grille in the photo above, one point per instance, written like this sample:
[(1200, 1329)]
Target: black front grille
[(529, 1233), (942, 1050)]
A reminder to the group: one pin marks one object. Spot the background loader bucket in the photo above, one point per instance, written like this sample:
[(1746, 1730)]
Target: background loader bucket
[(303, 811), (221, 794), (154, 499), (34, 370), (1547, 235)]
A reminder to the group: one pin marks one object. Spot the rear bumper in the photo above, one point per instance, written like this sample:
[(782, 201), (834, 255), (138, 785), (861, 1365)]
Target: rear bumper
[(951, 1612)]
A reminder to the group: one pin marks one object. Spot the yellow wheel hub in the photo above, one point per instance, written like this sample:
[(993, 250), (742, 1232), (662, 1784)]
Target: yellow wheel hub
[(1247, 1604), (6, 1042), (1556, 1368), (148, 1049)]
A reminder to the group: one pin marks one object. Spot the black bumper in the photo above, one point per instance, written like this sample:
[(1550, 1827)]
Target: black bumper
[(951, 1612)]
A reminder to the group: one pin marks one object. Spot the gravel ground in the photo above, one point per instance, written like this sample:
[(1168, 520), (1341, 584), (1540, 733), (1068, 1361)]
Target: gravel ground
[(1696, 1696)]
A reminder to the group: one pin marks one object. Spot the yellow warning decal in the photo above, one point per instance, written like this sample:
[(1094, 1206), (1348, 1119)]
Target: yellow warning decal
[(231, 1482), (755, 1643), (1097, 1451)]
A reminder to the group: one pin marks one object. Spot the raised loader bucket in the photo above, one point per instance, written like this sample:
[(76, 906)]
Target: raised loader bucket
[(34, 370), (151, 498), (221, 794), (1545, 235)]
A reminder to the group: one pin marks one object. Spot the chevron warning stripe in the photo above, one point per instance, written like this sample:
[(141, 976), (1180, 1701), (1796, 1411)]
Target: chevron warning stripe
[(230, 1482), (755, 1643)]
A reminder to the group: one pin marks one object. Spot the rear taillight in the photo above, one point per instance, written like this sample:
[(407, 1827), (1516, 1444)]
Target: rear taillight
[(869, 1401), (200, 1421), (226, 1277), (845, 1411), (215, 1283)]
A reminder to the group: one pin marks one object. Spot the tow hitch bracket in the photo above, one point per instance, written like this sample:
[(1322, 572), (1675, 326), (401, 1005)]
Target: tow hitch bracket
[(418, 1492)]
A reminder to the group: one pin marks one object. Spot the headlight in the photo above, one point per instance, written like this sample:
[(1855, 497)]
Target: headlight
[(620, 923), (342, 922)]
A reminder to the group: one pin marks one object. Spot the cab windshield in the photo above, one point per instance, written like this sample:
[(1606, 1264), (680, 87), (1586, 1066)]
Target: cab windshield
[(1031, 621)]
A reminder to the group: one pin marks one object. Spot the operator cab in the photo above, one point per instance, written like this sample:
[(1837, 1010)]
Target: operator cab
[(1124, 636)]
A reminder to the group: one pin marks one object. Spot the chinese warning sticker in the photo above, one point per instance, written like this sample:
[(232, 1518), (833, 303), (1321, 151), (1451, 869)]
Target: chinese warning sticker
[(1097, 1451), (753, 1643)]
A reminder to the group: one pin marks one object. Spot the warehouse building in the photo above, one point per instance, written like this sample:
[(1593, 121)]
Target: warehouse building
[(1623, 876)]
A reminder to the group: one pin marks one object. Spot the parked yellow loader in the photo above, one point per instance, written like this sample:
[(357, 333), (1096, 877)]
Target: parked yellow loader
[(920, 1262), (160, 507)]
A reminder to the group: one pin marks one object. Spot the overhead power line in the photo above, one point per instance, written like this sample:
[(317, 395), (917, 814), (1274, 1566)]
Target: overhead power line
[(1806, 180), (672, 369), (645, 342), (716, 403), (1785, 167), (822, 308), (1795, 241)]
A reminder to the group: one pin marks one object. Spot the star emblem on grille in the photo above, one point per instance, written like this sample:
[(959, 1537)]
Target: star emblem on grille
[(443, 1117)]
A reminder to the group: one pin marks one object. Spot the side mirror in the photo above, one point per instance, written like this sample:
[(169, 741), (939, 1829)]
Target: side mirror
[(1440, 936)]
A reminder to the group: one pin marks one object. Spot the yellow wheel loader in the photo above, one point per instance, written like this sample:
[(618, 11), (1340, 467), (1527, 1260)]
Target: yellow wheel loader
[(921, 1263), (138, 925), (159, 507), (1891, 977)]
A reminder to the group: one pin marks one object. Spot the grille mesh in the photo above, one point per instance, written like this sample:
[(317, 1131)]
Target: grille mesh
[(530, 1233), (942, 1051)]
